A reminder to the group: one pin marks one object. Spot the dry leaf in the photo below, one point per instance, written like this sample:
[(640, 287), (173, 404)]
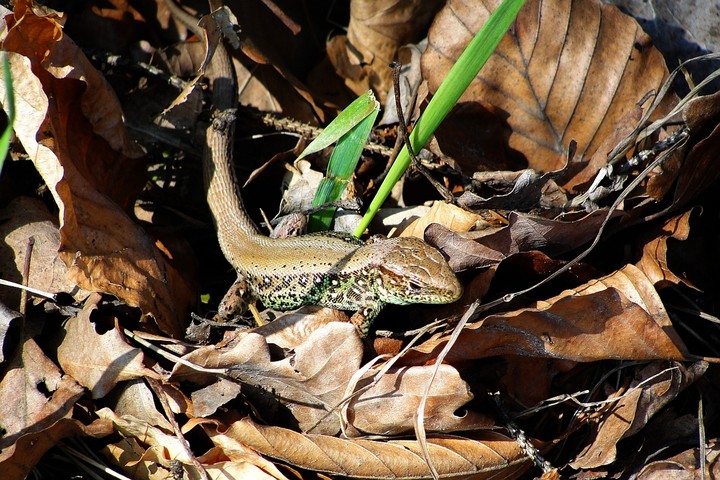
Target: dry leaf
[(486, 455), (523, 233), (310, 382), (71, 124), (684, 466), (619, 316), (389, 406), (376, 32), (635, 407), (97, 360), (134, 398), (36, 406), (654, 260), (567, 70), (449, 216), (23, 219)]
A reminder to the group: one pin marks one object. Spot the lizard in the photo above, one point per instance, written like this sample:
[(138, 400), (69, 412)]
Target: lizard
[(326, 269)]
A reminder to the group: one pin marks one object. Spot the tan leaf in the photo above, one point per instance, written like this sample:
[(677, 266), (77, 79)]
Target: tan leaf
[(654, 260), (487, 455), (70, 123), (619, 316), (310, 382), (136, 399), (376, 31), (36, 406), (388, 407), (449, 216), (22, 219), (97, 360), (568, 69)]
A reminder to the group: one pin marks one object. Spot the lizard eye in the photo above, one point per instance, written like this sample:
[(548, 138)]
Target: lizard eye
[(414, 286)]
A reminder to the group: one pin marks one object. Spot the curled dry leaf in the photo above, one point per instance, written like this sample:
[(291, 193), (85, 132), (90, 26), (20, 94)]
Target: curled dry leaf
[(98, 361), (685, 465), (568, 69), (70, 122), (375, 33), (389, 406), (523, 233), (449, 216), (654, 261), (22, 219), (619, 316), (148, 450), (700, 167), (36, 405), (486, 455), (655, 386), (310, 382)]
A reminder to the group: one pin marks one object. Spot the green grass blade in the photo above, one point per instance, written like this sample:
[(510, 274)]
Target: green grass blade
[(353, 114), (342, 164), (456, 82), (9, 105)]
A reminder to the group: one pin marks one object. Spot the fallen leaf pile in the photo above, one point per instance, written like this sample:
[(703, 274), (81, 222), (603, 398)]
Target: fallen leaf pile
[(585, 232)]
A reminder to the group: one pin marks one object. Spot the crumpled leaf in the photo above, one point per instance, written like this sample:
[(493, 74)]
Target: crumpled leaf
[(523, 233), (36, 406), (375, 33), (389, 406), (700, 166), (97, 360), (80, 147), (654, 261), (684, 465), (314, 379), (22, 219), (150, 452), (631, 412), (485, 455), (309, 382), (619, 316), (566, 70)]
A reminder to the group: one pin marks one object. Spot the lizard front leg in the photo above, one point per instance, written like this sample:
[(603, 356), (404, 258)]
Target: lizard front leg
[(363, 318)]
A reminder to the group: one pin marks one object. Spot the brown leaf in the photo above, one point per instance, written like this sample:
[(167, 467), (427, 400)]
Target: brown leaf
[(97, 360), (566, 70), (23, 219), (36, 405), (34, 394), (523, 233), (656, 385), (375, 33), (310, 382), (654, 260), (70, 122), (684, 465), (700, 167), (619, 316), (487, 455), (389, 406)]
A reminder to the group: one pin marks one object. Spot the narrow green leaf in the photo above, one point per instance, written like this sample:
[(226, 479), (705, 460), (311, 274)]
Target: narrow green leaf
[(353, 114), (342, 164), (456, 82), (9, 106)]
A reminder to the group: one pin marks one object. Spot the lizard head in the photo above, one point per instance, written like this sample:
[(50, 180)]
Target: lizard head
[(412, 271)]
